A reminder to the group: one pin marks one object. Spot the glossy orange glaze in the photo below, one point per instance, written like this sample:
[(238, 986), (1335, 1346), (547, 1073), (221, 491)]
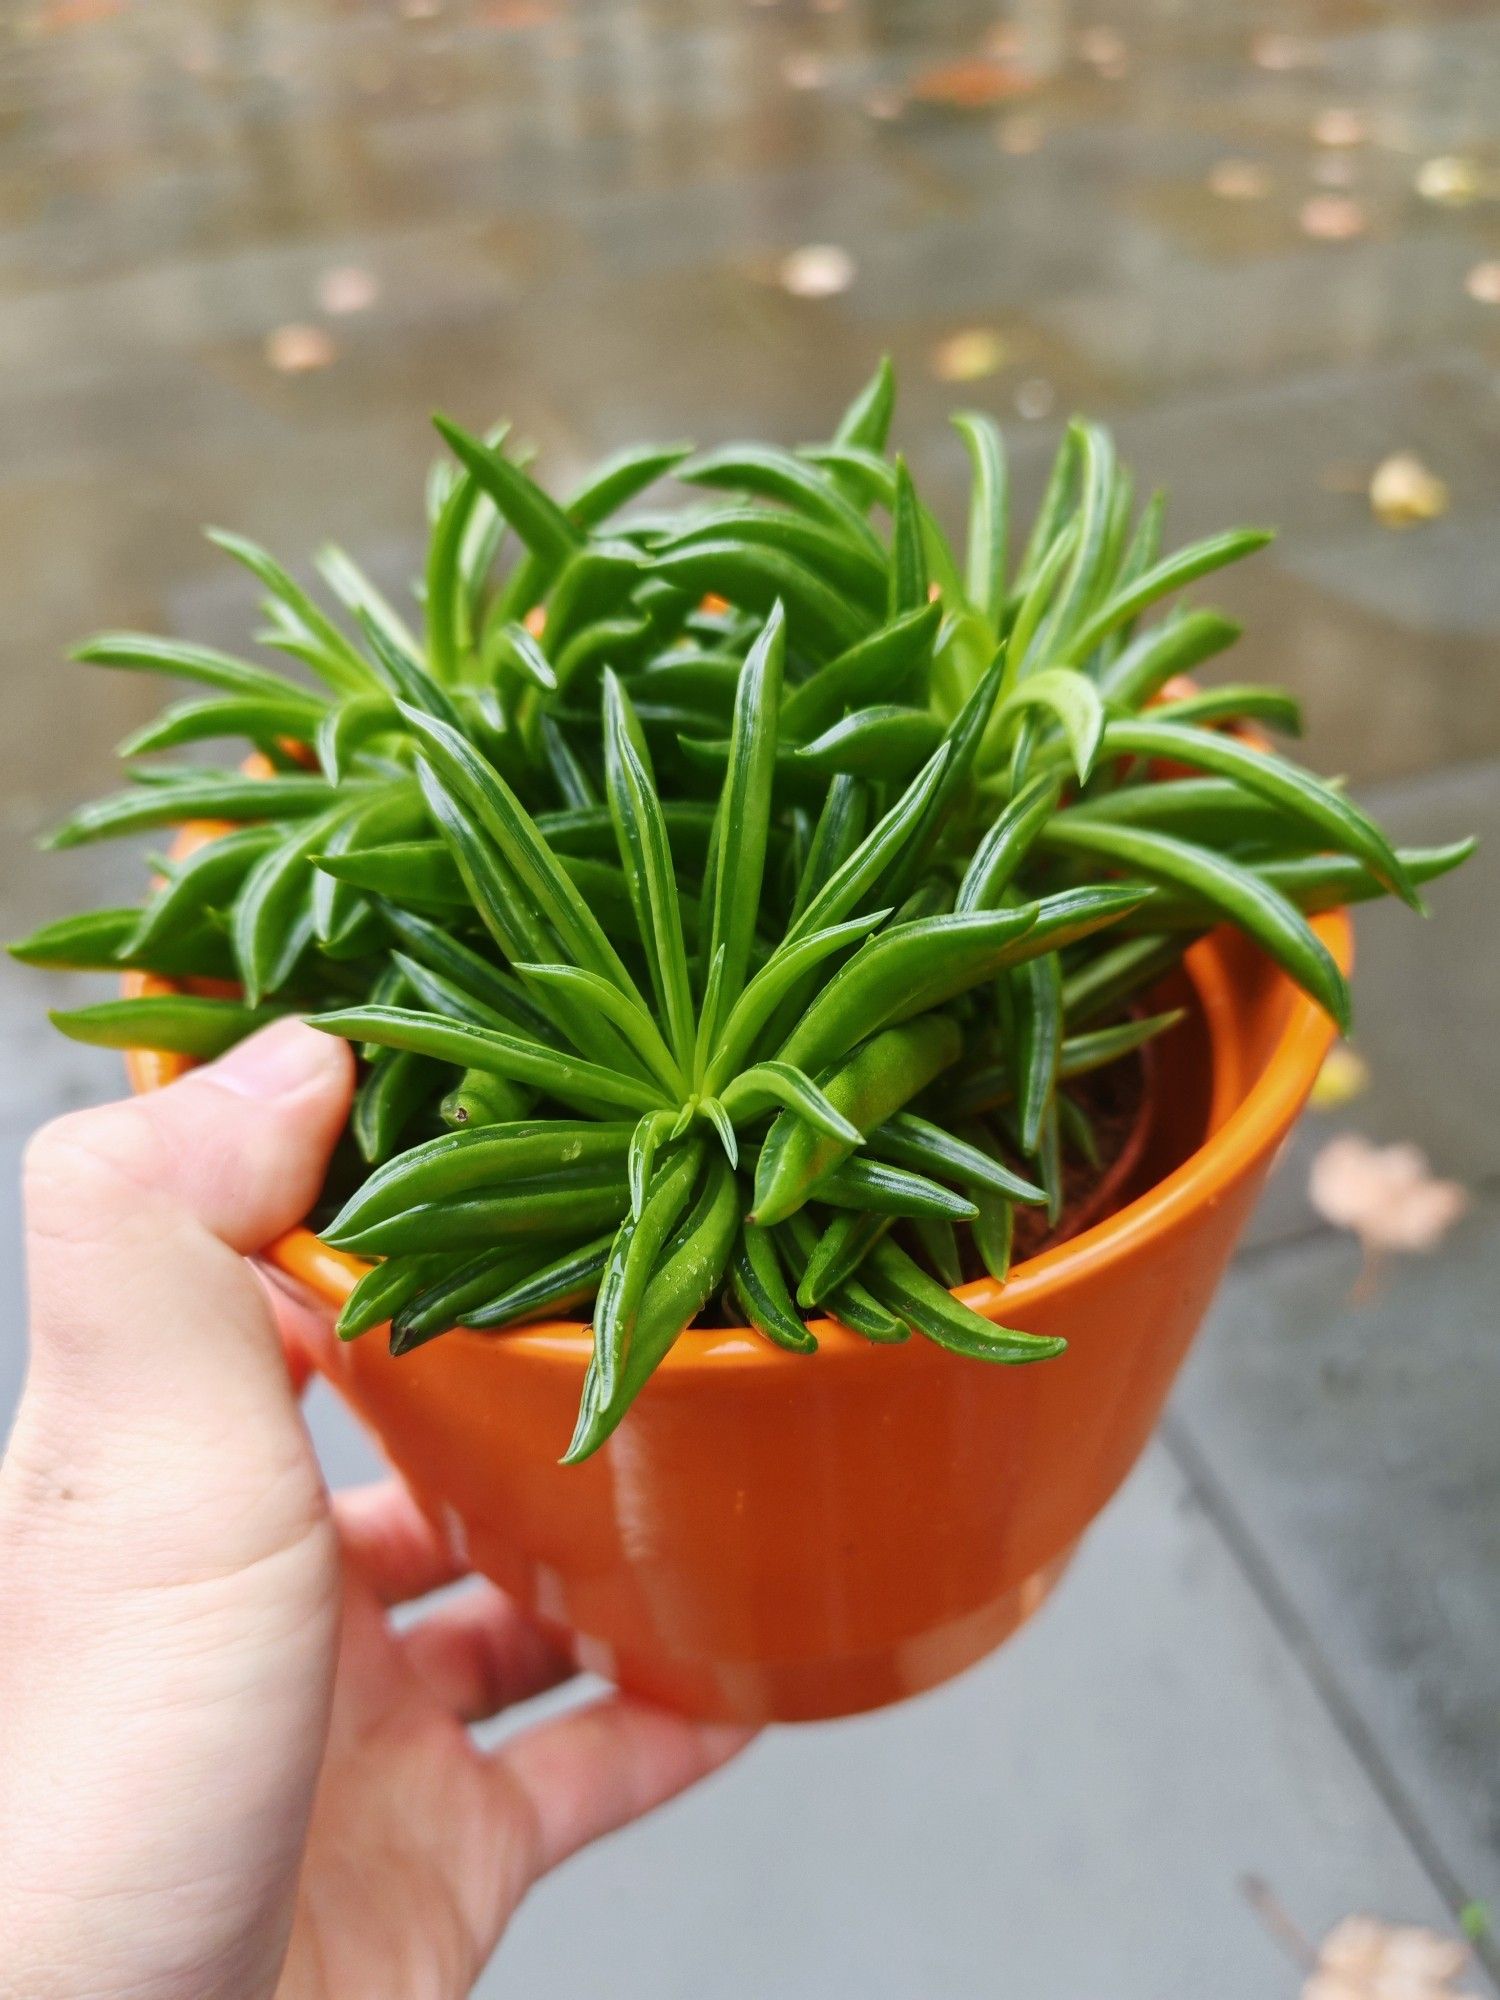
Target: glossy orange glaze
[(772, 1536)]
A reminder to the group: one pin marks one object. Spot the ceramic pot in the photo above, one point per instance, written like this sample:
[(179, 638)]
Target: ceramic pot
[(778, 1537)]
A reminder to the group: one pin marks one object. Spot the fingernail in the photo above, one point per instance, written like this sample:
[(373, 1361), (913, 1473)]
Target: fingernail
[(274, 1063)]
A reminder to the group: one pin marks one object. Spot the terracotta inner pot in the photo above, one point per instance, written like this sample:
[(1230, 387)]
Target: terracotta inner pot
[(775, 1536)]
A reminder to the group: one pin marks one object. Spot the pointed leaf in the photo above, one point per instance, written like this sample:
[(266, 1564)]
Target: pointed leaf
[(989, 513), (745, 807), (1287, 785), (755, 1090), (566, 1077), (1164, 577), (646, 857), (1074, 700), (537, 519), (1259, 910)]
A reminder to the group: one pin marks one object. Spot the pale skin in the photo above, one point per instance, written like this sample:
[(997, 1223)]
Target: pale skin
[(224, 1775)]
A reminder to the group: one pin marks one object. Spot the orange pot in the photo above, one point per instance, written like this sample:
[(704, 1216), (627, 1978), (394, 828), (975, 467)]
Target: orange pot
[(775, 1537)]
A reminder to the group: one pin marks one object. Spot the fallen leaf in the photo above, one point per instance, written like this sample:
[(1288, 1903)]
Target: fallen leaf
[(969, 356), (817, 271), (1483, 283), (1343, 1077), (1333, 218), (296, 349), (1239, 180), (1035, 397), (1365, 1959), (1387, 1196), (1339, 126), (1404, 493), (973, 83), (347, 288), (1450, 180)]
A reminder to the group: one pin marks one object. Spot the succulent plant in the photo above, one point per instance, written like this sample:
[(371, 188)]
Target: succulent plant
[(729, 902)]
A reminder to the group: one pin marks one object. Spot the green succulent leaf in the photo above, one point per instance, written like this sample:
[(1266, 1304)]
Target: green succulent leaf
[(989, 513), (1226, 886), (725, 902), (181, 1024), (570, 1078)]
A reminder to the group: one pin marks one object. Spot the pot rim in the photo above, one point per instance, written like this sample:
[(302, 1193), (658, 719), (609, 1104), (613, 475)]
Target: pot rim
[(1240, 1131)]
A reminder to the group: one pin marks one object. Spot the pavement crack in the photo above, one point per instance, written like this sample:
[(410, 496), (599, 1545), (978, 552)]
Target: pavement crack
[(1297, 1632)]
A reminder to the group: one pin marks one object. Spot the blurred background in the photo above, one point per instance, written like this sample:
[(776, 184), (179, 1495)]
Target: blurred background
[(246, 248)]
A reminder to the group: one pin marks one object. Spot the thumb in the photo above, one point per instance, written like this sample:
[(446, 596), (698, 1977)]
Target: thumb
[(167, 1560), (148, 1329)]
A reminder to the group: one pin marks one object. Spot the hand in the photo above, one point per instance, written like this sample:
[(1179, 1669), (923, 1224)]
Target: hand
[(223, 1774)]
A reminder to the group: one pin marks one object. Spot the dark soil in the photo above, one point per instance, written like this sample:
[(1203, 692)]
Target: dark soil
[(1111, 1099)]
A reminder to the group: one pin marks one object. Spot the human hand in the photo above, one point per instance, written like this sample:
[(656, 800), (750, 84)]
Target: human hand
[(223, 1775)]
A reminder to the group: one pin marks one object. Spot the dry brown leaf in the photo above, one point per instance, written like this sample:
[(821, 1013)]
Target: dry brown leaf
[(1404, 492), (296, 349), (973, 83), (1344, 1076), (969, 356), (1483, 283), (1363, 1958), (817, 271), (1333, 218), (1388, 1196), (1239, 180)]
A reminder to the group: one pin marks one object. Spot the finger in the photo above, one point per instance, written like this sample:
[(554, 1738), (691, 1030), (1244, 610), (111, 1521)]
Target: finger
[(601, 1766), (393, 1544), (138, 1206), (168, 1558), (157, 1386), (482, 1653), (301, 1319)]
